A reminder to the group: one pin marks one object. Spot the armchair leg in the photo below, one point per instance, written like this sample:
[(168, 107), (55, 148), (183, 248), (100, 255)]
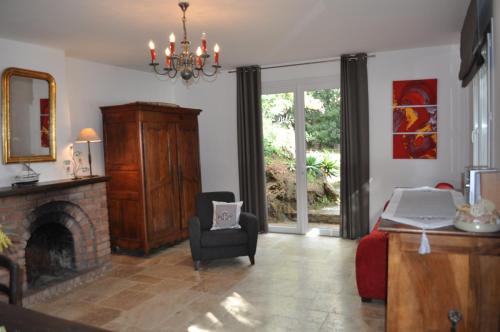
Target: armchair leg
[(252, 260), (366, 299), (196, 265)]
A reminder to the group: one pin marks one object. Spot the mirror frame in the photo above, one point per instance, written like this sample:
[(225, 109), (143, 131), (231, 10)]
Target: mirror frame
[(8, 158)]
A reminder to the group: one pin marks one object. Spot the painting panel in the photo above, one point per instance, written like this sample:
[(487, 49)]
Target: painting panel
[(414, 92), (414, 119), (44, 123), (415, 146)]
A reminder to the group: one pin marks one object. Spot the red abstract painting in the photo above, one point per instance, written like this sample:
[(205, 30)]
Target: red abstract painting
[(44, 123), (414, 146), (414, 119), (414, 92)]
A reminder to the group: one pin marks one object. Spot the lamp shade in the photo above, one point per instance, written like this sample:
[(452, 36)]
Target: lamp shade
[(88, 135)]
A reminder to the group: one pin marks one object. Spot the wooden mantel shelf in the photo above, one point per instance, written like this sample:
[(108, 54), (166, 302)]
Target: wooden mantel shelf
[(41, 187)]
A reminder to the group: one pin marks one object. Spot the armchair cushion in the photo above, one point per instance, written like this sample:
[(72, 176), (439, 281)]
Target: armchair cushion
[(205, 209), (223, 238), (226, 215)]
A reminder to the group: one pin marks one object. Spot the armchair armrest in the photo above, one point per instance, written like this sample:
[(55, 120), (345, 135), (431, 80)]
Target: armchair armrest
[(250, 225), (195, 237)]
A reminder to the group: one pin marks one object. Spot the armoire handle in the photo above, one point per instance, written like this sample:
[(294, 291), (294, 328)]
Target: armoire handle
[(454, 316)]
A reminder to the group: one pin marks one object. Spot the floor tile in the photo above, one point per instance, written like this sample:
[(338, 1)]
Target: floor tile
[(126, 299), (298, 283)]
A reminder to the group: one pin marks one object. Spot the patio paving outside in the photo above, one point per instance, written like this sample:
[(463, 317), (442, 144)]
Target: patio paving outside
[(325, 218)]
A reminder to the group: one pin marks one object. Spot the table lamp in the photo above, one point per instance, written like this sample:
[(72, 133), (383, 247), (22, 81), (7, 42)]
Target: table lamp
[(88, 135)]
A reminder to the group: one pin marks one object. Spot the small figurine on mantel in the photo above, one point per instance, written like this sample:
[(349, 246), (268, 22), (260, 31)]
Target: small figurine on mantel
[(26, 177), (75, 164)]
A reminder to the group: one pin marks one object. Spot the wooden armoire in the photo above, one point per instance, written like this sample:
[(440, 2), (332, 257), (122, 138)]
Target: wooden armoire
[(152, 155)]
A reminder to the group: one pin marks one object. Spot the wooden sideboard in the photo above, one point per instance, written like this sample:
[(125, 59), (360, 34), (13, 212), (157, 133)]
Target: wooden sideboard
[(462, 272)]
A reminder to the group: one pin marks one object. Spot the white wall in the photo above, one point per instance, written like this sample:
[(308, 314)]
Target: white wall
[(219, 156), (217, 122), (386, 173), (217, 129), (82, 87), (34, 57), (91, 85)]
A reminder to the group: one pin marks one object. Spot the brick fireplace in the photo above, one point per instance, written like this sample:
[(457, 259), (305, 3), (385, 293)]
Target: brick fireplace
[(60, 233)]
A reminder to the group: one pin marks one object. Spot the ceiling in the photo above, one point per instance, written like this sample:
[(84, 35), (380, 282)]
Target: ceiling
[(249, 32)]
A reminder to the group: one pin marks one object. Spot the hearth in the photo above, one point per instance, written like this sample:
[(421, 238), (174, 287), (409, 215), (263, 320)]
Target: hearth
[(50, 255), (60, 233)]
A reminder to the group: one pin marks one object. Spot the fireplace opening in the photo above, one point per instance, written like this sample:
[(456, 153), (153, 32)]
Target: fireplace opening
[(50, 255)]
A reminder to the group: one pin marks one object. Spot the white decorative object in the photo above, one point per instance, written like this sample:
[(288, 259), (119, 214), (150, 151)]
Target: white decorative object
[(226, 215), (480, 217), (74, 165), (27, 176), (424, 207), (425, 247)]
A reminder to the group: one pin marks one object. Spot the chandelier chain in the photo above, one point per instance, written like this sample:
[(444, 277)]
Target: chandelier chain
[(184, 23)]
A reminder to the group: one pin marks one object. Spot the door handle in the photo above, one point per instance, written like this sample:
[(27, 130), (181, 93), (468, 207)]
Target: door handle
[(454, 316)]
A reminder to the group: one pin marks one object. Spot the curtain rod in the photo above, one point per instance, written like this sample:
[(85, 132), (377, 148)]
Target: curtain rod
[(302, 63)]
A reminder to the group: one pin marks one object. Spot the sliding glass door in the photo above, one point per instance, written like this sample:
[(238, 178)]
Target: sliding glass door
[(322, 138), (301, 125), (278, 115)]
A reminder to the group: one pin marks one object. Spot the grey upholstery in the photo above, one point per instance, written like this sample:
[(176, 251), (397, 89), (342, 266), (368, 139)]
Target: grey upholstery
[(223, 238), (224, 243)]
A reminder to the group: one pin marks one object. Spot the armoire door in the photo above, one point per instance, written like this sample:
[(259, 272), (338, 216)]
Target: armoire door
[(189, 172), (161, 182), (122, 155)]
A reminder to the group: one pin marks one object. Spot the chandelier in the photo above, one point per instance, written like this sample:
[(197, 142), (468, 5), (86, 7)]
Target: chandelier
[(187, 63)]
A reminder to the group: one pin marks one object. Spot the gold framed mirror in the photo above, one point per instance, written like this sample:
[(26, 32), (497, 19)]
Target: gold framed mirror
[(28, 116)]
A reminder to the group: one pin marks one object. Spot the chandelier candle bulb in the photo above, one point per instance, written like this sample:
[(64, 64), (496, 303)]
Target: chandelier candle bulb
[(204, 42), (152, 50), (216, 54), (172, 42), (199, 52), (168, 59)]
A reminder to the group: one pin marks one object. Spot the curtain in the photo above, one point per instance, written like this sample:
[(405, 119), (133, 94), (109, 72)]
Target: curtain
[(355, 163), (250, 143), (473, 37)]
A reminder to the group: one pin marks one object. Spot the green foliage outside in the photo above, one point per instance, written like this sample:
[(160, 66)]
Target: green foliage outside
[(322, 123), (322, 119)]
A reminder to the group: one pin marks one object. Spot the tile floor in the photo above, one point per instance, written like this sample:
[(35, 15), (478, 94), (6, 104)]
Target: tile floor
[(299, 283)]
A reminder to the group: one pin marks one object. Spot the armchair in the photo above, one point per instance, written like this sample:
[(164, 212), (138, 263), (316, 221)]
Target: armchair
[(224, 243)]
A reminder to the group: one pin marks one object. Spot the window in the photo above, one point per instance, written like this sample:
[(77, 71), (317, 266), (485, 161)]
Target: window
[(482, 109)]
